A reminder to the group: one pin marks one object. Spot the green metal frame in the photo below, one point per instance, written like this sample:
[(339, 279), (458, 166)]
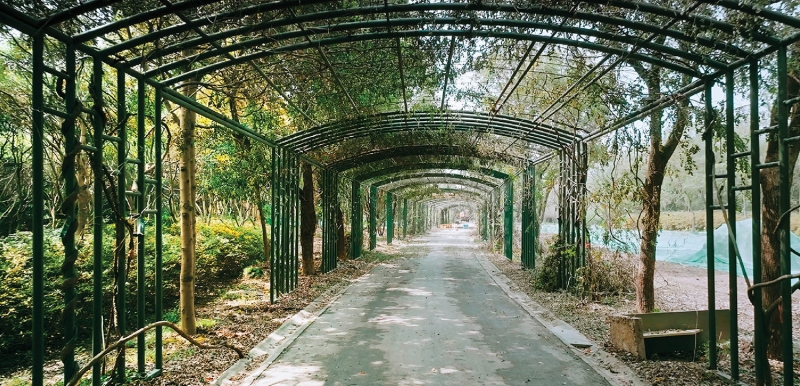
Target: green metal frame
[(366, 158), (723, 59), (573, 164), (373, 217), (407, 168), (389, 217), (405, 218), (284, 241), (330, 201), (529, 236), (508, 220), (356, 221)]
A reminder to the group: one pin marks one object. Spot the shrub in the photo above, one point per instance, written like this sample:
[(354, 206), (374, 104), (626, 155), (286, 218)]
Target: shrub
[(606, 273), (546, 275), (223, 253)]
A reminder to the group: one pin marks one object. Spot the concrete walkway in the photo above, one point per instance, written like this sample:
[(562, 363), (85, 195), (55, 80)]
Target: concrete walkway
[(439, 319)]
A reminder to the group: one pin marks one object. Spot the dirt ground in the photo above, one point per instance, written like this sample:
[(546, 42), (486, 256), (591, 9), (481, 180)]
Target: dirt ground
[(239, 314), (677, 288)]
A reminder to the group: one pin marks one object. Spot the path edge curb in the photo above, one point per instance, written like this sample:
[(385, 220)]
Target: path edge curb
[(277, 341), (599, 359)]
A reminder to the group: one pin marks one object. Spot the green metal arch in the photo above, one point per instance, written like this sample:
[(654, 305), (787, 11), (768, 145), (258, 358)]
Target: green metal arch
[(421, 150), (467, 189), (439, 201), (448, 206), (467, 33), (416, 167), (405, 8), (439, 177), (399, 121), (371, 25)]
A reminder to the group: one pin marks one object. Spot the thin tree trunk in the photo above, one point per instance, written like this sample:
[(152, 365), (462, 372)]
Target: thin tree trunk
[(341, 243), (308, 220), (651, 205), (264, 235), (188, 188), (541, 207)]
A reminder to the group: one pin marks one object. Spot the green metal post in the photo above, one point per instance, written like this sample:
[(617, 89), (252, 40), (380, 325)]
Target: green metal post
[(325, 232), (524, 217), (784, 204), (68, 235), (37, 149), (287, 220), (761, 365), (730, 136), (490, 220), (389, 218), (97, 231), (709, 171), (274, 228), (405, 218), (140, 254), (373, 217), (295, 204), (508, 228), (122, 203), (356, 221), (159, 285), (485, 222), (534, 219)]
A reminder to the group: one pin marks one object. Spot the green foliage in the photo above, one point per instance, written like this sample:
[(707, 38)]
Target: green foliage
[(223, 252), (606, 273), (253, 272), (173, 315), (16, 272), (545, 276)]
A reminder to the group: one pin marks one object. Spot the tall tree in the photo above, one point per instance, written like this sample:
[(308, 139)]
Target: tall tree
[(188, 192), (308, 219), (661, 150), (770, 214)]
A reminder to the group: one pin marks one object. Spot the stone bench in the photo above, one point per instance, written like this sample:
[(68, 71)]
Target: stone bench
[(644, 335)]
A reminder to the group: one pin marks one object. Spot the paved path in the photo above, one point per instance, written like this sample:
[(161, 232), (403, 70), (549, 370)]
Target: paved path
[(438, 319)]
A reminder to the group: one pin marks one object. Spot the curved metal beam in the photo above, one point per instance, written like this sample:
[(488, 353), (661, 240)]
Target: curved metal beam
[(364, 178), (434, 178), (422, 150), (386, 10), (469, 33), (399, 121), (465, 189)]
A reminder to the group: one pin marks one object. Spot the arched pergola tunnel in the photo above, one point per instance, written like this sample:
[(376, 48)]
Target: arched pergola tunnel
[(697, 41)]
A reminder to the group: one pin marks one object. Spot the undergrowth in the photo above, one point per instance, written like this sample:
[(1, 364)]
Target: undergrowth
[(223, 251), (606, 273)]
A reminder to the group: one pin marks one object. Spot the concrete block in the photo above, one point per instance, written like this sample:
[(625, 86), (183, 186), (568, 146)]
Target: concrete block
[(626, 334)]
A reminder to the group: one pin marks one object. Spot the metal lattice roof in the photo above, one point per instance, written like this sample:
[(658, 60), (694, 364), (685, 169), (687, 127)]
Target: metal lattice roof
[(344, 72)]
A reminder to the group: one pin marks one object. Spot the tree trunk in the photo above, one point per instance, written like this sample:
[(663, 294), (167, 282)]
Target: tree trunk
[(651, 205), (308, 220), (341, 243), (188, 187), (264, 236), (541, 208), (660, 153), (770, 240)]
